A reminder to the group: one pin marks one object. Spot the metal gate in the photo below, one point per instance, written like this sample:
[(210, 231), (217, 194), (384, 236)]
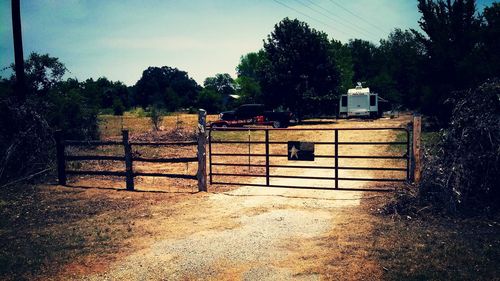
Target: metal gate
[(256, 157)]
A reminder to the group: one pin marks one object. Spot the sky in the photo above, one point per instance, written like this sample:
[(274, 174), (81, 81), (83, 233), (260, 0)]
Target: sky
[(119, 39)]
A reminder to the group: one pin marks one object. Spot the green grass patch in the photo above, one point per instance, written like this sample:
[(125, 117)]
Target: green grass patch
[(429, 140)]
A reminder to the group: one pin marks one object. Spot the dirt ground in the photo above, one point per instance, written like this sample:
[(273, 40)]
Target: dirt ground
[(260, 233), (92, 232)]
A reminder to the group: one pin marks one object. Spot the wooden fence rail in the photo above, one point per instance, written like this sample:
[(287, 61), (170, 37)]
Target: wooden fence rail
[(129, 159)]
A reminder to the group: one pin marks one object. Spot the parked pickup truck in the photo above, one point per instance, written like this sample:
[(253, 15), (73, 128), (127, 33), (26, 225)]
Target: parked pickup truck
[(253, 114)]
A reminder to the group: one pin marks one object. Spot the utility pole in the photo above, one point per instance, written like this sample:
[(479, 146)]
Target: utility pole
[(20, 89)]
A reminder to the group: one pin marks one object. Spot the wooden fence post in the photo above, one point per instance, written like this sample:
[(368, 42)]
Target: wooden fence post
[(202, 155), (61, 161), (129, 172), (417, 156)]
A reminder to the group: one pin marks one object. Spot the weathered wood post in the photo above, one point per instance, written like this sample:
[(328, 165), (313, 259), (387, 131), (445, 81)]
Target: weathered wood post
[(417, 156), (61, 161), (202, 155), (129, 172)]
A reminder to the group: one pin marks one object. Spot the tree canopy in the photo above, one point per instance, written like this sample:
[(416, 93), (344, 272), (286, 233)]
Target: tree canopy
[(167, 87), (452, 34), (300, 67), (304, 70)]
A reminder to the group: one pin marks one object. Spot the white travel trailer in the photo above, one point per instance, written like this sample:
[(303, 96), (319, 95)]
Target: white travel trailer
[(359, 102)]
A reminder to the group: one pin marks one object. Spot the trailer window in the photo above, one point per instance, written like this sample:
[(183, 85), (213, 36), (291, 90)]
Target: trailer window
[(344, 101), (373, 100)]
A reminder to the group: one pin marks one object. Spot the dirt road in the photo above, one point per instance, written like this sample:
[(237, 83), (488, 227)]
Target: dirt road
[(255, 233)]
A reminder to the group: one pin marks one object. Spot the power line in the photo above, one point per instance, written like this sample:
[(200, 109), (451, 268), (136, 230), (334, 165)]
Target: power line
[(350, 25), (354, 14), (306, 15)]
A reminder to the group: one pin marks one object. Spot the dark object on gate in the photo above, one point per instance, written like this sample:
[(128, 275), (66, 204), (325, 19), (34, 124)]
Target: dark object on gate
[(300, 151)]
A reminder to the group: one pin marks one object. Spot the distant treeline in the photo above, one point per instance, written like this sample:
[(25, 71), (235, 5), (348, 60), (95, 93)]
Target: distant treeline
[(303, 70)]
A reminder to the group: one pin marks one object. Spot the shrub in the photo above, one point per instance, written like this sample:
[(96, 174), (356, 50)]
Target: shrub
[(156, 117), (118, 107), (463, 172), (26, 143), (68, 110), (138, 112)]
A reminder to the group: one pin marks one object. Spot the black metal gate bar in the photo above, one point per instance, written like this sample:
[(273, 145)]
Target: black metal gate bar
[(267, 157), (307, 187), (336, 159), (316, 143), (210, 155), (308, 129), (316, 156), (309, 167), (336, 156), (408, 155)]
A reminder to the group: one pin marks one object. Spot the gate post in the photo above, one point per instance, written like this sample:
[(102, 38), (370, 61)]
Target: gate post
[(129, 173), (61, 161), (267, 157), (336, 158), (202, 155), (417, 129)]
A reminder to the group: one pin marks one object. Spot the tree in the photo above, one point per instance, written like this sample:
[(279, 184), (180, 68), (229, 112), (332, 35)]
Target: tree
[(41, 72), (491, 33), (221, 83), (365, 60), (106, 93), (167, 87), (71, 111), (27, 125), (249, 90), (210, 100), (224, 85), (61, 104), (300, 68), (451, 40), (343, 58), (250, 70), (251, 64), (400, 79)]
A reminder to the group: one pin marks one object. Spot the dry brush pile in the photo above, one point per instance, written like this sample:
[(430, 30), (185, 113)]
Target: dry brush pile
[(25, 142), (462, 173)]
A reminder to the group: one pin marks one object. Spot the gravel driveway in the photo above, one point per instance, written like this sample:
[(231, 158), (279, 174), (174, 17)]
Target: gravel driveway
[(250, 233)]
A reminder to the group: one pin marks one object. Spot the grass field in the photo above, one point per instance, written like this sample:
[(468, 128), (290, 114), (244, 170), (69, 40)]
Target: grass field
[(111, 126)]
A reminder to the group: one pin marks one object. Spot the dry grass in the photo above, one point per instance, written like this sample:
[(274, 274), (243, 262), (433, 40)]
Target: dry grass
[(110, 126), (51, 230), (436, 247)]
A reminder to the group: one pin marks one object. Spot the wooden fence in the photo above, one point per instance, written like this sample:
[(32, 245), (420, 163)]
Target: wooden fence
[(201, 176), (129, 158)]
